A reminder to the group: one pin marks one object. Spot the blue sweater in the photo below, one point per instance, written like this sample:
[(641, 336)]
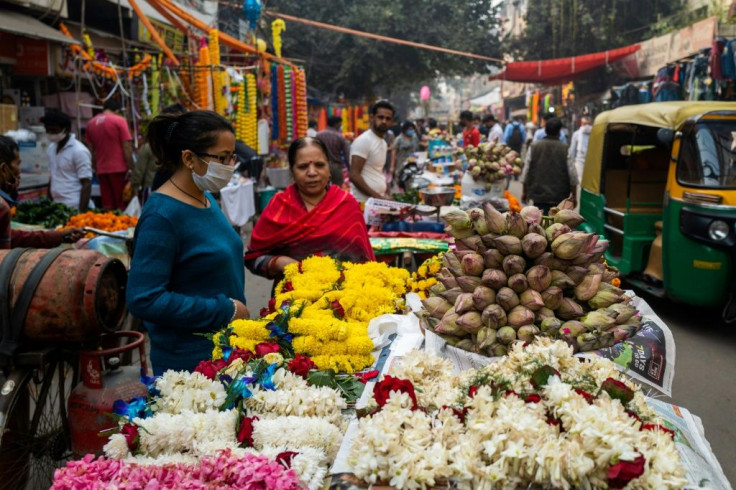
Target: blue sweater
[(187, 264)]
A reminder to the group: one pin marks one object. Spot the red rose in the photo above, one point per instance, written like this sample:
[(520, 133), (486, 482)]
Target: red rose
[(533, 398), (243, 354), (460, 414), (472, 391), (245, 431), (300, 267), (285, 457), (367, 376), (267, 348), (383, 389), (658, 427), (510, 392), (620, 474), (301, 365), (337, 309), (618, 390), (210, 368), (633, 415), (554, 421), (130, 432), (588, 397), (287, 287)]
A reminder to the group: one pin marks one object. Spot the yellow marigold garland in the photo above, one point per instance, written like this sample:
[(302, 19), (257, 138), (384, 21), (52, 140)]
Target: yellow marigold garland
[(425, 276)]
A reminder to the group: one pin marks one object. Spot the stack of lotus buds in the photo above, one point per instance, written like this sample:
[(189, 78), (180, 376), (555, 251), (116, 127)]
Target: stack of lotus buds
[(513, 279), (492, 162)]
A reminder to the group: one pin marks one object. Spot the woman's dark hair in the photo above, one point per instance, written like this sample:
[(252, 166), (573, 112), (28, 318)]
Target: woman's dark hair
[(334, 121), (408, 125), (382, 104), (112, 105), (170, 134), (54, 117), (303, 143), (8, 147)]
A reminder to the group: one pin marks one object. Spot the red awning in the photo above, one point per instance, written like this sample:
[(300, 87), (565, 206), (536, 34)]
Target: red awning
[(561, 70)]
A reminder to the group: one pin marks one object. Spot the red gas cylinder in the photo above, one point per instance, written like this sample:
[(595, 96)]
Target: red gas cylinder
[(104, 381)]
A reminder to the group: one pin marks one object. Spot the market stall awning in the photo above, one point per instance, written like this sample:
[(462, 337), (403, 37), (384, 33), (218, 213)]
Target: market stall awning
[(24, 25), (560, 70)]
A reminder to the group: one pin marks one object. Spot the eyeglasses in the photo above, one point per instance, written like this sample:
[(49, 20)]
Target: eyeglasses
[(225, 160)]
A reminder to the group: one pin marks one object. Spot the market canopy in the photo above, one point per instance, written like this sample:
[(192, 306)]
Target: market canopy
[(27, 26), (560, 70)]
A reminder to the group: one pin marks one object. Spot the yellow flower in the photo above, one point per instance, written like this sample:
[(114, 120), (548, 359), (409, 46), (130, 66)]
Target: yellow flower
[(251, 329), (274, 358), (434, 267)]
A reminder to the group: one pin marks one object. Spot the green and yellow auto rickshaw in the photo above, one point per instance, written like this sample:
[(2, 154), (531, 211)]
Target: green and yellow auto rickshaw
[(659, 183)]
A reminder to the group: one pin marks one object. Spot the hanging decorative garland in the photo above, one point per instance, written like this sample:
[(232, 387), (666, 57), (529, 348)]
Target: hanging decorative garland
[(154, 88), (202, 78), (218, 75), (241, 112), (282, 104), (289, 103), (275, 127), (251, 127)]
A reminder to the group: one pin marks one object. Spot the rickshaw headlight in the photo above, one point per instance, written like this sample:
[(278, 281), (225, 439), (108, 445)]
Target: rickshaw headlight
[(718, 230)]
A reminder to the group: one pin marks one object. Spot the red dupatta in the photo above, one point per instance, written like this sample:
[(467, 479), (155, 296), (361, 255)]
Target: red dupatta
[(334, 227)]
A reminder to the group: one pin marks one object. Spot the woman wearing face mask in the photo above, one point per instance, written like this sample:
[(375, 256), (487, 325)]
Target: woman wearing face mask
[(186, 274), (405, 145), (9, 181), (309, 217)]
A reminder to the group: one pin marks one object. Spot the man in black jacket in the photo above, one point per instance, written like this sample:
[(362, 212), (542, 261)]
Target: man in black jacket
[(548, 177)]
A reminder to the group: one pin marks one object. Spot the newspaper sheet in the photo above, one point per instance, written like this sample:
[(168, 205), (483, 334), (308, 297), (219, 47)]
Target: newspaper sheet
[(648, 356)]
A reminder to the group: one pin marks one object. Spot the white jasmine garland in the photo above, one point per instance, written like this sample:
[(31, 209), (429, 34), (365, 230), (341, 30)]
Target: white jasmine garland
[(187, 392), (432, 377), (297, 432), (304, 402), (116, 447)]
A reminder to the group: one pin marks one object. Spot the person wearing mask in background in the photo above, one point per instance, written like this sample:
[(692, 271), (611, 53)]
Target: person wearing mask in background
[(144, 177), (312, 128), (548, 176), (471, 135), (495, 131), (70, 162), (368, 154), (515, 135), (485, 127), (338, 149), (109, 140), (579, 145), (541, 132), (9, 182), (404, 146), (187, 277)]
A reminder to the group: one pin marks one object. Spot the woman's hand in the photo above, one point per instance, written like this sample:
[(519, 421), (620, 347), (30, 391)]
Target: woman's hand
[(281, 262), (241, 311), (69, 235)]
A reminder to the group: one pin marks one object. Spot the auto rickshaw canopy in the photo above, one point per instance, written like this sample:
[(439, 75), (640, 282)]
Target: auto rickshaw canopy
[(657, 114)]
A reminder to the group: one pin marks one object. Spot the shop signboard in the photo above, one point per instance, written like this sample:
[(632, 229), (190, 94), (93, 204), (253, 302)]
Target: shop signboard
[(657, 52), (172, 37), (35, 56)]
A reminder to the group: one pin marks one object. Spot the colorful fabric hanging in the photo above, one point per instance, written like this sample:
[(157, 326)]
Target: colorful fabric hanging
[(274, 103), (322, 120), (283, 128)]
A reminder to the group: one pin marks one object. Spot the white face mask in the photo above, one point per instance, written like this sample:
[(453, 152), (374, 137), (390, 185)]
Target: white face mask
[(55, 138), (218, 176)]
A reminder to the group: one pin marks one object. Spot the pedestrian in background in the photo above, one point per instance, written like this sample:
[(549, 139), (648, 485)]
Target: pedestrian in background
[(579, 145), (541, 132), (368, 154), (515, 135), (112, 152), (471, 135), (338, 149), (495, 133), (404, 146)]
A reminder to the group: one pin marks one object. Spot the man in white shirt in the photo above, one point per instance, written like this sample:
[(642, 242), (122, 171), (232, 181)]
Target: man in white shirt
[(70, 162), (495, 134), (579, 145), (368, 155)]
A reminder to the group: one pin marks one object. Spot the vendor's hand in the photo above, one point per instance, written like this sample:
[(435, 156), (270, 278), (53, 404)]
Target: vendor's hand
[(282, 262), (69, 235), (573, 198), (241, 311)]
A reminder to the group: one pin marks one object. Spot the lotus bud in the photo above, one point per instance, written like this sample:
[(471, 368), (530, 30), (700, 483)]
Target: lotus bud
[(451, 294), (494, 219), (507, 298), (475, 172), (533, 245), (493, 259), (506, 335), (561, 280), (568, 217), (527, 333), (462, 253), (623, 332), (450, 339), (588, 342), (478, 218), (459, 234), (464, 303), (550, 326), (516, 225), (448, 325), (531, 214), (576, 273), (517, 170), (569, 309), (468, 283), (548, 259), (531, 299), (552, 297), (451, 262), (610, 287), (606, 339), (436, 289), (508, 245), (470, 322), (486, 337), (458, 219), (543, 314), (570, 245), (537, 229), (555, 230), (596, 268), (520, 315), (573, 327), (493, 316), (553, 210), (609, 274), (466, 345), (513, 264), (588, 287), (598, 320), (487, 239), (604, 299), (497, 350), (600, 247), (494, 278), (566, 204), (625, 312), (436, 306), (473, 243), (446, 278), (473, 264), (518, 282), (482, 297), (540, 277)]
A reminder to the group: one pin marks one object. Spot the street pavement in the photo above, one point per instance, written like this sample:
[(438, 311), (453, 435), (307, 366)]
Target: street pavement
[(705, 364)]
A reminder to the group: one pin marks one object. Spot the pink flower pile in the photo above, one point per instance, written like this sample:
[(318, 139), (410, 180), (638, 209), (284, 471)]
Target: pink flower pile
[(222, 471)]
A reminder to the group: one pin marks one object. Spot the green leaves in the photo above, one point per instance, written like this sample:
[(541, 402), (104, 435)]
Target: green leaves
[(349, 386)]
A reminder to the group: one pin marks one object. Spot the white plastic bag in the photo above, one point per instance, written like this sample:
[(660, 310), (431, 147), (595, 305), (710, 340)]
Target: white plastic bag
[(133, 208)]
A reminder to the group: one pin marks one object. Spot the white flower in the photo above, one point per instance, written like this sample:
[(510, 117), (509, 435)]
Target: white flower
[(187, 392), (116, 447), (297, 432)]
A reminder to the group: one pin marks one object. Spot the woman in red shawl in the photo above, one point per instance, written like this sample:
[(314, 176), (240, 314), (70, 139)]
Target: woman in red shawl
[(309, 217)]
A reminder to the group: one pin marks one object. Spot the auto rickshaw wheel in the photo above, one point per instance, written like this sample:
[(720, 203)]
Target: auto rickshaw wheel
[(729, 312)]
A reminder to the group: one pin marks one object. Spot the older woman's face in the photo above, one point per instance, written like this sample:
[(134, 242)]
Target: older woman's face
[(10, 173), (311, 171)]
